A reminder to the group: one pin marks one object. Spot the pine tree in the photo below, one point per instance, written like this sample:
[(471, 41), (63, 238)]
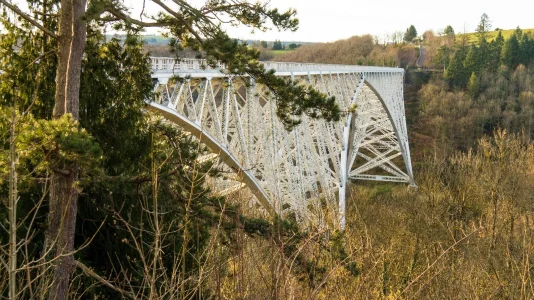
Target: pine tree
[(511, 52), (472, 62), (62, 26), (483, 27), (473, 86), (410, 34), (455, 72), (525, 49), (277, 45), (495, 51), (449, 32)]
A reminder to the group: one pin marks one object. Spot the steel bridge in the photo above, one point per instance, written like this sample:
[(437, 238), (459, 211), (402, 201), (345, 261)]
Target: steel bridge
[(309, 166)]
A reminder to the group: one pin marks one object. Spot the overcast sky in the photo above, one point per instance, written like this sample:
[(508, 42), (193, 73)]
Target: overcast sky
[(330, 20)]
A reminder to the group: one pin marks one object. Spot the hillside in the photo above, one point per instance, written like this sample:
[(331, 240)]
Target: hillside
[(357, 50), (102, 197), (471, 36)]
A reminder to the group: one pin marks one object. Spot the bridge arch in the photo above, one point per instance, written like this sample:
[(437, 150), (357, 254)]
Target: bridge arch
[(397, 116), (316, 159), (397, 119), (223, 153)]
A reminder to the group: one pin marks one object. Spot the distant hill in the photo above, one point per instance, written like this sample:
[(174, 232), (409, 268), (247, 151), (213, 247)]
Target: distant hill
[(160, 40), (356, 50), (158, 45)]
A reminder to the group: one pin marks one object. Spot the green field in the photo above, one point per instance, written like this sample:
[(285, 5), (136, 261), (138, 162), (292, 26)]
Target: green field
[(277, 52), (491, 35)]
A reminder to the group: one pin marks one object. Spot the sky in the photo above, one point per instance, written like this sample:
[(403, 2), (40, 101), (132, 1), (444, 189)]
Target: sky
[(325, 21), (330, 20)]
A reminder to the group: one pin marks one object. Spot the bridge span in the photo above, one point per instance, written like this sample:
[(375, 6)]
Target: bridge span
[(309, 167)]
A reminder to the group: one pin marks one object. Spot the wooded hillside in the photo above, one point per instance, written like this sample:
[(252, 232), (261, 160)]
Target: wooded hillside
[(101, 199)]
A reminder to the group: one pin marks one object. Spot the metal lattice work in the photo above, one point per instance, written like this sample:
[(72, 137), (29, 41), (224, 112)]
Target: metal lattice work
[(236, 119)]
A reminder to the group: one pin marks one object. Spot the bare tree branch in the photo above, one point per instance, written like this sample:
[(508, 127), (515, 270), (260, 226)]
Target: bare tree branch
[(119, 14), (105, 282), (179, 17), (28, 18)]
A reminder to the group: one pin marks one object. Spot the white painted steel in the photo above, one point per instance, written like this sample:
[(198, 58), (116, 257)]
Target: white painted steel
[(305, 169)]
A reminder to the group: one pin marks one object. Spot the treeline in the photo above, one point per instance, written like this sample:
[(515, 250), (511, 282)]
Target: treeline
[(457, 118), (357, 50), (468, 62), (485, 86)]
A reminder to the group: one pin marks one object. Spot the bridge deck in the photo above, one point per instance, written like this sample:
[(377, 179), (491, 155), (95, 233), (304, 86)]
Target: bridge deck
[(165, 66)]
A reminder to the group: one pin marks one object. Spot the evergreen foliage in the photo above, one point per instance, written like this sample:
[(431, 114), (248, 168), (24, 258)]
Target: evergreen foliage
[(449, 31), (277, 45), (410, 34), (473, 86), (456, 74), (132, 170), (511, 54), (483, 27), (495, 50), (483, 56), (149, 226)]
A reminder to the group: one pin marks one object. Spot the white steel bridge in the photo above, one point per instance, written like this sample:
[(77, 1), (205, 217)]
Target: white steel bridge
[(238, 122)]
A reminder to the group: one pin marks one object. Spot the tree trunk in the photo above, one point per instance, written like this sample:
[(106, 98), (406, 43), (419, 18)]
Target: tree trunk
[(13, 199), (63, 191)]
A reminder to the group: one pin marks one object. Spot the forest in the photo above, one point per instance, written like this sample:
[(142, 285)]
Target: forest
[(101, 199)]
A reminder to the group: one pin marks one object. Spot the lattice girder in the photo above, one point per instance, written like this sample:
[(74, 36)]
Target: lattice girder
[(236, 118)]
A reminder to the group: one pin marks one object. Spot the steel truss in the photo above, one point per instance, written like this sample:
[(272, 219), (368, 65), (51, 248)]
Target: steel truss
[(309, 166)]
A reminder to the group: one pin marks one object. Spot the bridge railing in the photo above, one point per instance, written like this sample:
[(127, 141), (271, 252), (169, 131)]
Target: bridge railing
[(172, 65)]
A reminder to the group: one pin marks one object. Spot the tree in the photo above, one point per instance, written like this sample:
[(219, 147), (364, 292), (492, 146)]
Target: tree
[(293, 46), (410, 34), (525, 49), (455, 72), (443, 56), (192, 27), (495, 50), (472, 60), (277, 45), (396, 37), (483, 27), (70, 37), (264, 44), (511, 52), (518, 33), (449, 31), (473, 86)]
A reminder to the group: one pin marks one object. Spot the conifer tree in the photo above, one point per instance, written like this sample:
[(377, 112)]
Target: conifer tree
[(525, 49), (483, 27), (511, 52), (495, 50), (472, 62), (410, 34), (449, 32), (473, 86), (64, 24), (455, 72)]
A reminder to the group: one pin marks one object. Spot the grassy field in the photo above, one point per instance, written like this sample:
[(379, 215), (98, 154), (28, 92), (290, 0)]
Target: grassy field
[(278, 52), (491, 35)]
